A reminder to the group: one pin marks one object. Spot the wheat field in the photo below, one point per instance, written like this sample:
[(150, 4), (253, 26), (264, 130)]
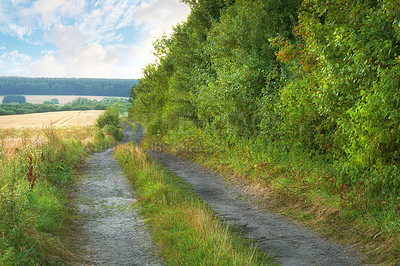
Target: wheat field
[(55, 119)]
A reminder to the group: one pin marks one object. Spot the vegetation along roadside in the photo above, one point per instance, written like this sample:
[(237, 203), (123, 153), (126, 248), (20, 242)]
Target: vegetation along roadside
[(184, 228), (36, 167), (301, 97)]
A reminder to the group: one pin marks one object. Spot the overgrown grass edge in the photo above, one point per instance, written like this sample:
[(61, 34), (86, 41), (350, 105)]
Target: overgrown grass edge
[(306, 188), (186, 231)]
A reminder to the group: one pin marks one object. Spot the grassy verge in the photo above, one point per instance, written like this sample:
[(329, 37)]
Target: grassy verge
[(34, 174), (185, 229), (36, 168), (304, 187)]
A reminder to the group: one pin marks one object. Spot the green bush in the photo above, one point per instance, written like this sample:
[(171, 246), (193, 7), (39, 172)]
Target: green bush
[(113, 131), (110, 117), (14, 99)]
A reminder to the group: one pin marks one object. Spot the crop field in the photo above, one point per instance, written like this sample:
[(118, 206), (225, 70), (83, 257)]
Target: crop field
[(55, 119)]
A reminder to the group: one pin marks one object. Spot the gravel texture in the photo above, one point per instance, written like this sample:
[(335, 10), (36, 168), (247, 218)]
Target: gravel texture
[(289, 243), (110, 230)]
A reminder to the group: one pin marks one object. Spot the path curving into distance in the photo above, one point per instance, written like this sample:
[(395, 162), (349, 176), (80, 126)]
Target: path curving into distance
[(114, 234), (289, 243), (110, 231)]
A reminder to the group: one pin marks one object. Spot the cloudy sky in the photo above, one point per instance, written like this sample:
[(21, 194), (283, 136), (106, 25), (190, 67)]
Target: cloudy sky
[(82, 38)]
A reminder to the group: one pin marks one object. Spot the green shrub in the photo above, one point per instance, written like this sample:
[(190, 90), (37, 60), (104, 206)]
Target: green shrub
[(110, 117), (113, 131), (14, 99)]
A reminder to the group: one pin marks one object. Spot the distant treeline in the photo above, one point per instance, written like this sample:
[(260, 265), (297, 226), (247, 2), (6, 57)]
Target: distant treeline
[(66, 86), (50, 106)]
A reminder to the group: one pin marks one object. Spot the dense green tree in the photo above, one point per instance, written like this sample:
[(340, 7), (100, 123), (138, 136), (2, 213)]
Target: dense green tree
[(346, 101), (318, 75), (14, 99), (167, 93), (245, 90)]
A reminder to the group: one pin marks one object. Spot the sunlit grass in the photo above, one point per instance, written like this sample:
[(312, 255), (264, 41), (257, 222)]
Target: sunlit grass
[(35, 166), (186, 231)]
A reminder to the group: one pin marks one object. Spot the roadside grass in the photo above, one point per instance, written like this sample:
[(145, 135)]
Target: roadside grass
[(184, 228), (303, 187), (129, 122), (36, 168), (34, 172)]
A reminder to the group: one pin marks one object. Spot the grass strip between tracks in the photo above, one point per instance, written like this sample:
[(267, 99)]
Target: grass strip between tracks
[(186, 231)]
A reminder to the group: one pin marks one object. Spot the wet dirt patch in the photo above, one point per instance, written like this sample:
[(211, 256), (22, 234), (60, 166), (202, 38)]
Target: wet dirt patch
[(289, 243), (109, 229)]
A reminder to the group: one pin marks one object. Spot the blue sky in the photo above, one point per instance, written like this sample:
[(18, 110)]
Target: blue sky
[(82, 38)]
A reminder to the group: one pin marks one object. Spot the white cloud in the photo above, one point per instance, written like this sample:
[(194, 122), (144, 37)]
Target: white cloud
[(28, 20), (45, 8), (159, 15), (14, 63), (15, 57), (19, 2), (52, 11), (75, 57), (102, 38), (103, 22), (48, 67), (155, 18)]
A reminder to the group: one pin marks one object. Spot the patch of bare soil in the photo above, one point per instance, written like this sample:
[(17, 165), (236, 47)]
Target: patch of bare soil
[(289, 243), (109, 229)]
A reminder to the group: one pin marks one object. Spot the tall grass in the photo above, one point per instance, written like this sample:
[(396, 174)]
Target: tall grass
[(185, 229), (306, 187), (35, 167)]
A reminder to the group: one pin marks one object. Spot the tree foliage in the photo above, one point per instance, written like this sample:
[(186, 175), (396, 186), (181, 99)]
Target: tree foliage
[(318, 75), (66, 86), (14, 99), (343, 94)]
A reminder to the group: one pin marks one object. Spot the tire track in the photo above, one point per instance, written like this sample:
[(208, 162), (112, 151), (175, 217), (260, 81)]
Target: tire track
[(111, 231), (289, 243)]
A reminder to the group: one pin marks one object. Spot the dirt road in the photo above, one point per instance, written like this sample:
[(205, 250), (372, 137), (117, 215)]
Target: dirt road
[(116, 235), (111, 231), (289, 243)]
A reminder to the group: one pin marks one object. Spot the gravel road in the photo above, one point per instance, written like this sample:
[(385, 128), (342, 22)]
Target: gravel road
[(114, 234), (110, 231), (289, 243)]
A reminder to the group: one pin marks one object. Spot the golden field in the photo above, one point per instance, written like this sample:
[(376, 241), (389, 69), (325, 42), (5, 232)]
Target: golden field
[(54, 119), (31, 130)]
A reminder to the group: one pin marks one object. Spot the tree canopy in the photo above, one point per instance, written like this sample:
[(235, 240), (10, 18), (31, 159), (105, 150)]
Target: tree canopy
[(318, 75)]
